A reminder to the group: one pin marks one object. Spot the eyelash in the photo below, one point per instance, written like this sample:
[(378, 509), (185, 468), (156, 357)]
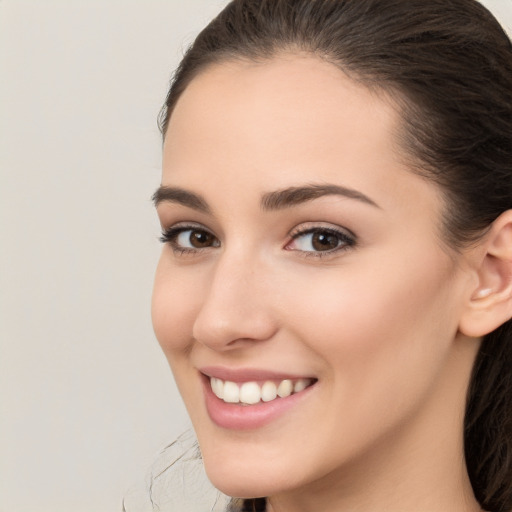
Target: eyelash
[(346, 240), (169, 236)]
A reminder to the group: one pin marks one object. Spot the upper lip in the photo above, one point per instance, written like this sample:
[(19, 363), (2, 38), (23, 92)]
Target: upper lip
[(248, 374)]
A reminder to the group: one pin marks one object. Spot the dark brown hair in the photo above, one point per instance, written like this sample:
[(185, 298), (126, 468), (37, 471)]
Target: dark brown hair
[(448, 66)]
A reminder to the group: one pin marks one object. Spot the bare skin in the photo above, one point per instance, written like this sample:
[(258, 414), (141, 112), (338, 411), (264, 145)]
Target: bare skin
[(374, 315)]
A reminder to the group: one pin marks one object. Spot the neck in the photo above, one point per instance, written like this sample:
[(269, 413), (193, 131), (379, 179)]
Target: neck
[(419, 466)]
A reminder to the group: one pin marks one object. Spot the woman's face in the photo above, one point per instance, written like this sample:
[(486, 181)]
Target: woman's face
[(301, 252)]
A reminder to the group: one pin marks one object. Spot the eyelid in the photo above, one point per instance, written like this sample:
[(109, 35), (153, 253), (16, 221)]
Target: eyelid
[(347, 238), (174, 229), (308, 227), (170, 234)]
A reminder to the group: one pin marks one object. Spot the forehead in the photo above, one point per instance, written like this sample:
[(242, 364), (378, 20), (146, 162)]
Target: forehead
[(281, 100), (282, 122)]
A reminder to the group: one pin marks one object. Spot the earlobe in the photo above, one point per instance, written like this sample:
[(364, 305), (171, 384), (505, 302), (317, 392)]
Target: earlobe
[(490, 303)]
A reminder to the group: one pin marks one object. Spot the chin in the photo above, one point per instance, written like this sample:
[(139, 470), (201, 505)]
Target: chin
[(244, 479)]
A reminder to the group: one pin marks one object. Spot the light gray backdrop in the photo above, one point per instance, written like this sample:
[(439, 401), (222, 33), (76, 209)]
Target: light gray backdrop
[(86, 398)]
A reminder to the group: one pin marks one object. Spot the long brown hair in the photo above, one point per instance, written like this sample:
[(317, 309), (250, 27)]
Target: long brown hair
[(449, 65)]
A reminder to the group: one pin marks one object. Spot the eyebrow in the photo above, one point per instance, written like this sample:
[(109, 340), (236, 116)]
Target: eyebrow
[(292, 196), (180, 196), (276, 200)]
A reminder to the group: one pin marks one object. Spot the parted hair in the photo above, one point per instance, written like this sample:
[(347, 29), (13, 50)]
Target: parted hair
[(447, 65)]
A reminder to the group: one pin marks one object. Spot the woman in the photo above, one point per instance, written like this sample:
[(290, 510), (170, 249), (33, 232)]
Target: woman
[(335, 288)]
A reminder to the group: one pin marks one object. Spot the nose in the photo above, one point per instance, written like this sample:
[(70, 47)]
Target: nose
[(237, 306)]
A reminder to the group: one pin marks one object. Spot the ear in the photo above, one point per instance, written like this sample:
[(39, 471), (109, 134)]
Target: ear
[(490, 301)]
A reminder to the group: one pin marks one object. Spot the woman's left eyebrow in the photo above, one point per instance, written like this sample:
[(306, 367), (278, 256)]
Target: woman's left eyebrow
[(292, 196)]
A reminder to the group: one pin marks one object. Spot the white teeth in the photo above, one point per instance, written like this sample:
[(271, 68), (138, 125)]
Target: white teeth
[(217, 387), (251, 393), (285, 388), (231, 393), (268, 391), (300, 385)]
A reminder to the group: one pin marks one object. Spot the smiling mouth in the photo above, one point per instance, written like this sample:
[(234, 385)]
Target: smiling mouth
[(251, 393)]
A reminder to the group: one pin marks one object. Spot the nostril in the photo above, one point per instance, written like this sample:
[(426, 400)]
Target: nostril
[(221, 328)]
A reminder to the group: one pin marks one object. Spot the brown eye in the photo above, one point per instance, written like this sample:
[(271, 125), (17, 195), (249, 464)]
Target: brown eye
[(189, 239), (200, 239), (321, 240), (324, 241)]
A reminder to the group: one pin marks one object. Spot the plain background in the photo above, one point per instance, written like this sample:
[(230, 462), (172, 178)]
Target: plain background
[(86, 397)]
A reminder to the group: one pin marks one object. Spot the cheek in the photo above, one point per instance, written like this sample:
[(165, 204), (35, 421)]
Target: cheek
[(173, 308), (379, 344), (393, 323)]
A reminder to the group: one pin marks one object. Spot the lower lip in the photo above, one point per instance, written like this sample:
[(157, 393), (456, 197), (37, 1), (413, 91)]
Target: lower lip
[(248, 417)]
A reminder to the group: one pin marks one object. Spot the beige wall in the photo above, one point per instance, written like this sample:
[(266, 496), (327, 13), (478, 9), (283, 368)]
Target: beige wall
[(86, 398)]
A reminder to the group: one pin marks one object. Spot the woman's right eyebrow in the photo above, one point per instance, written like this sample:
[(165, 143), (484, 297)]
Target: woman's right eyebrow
[(180, 196)]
